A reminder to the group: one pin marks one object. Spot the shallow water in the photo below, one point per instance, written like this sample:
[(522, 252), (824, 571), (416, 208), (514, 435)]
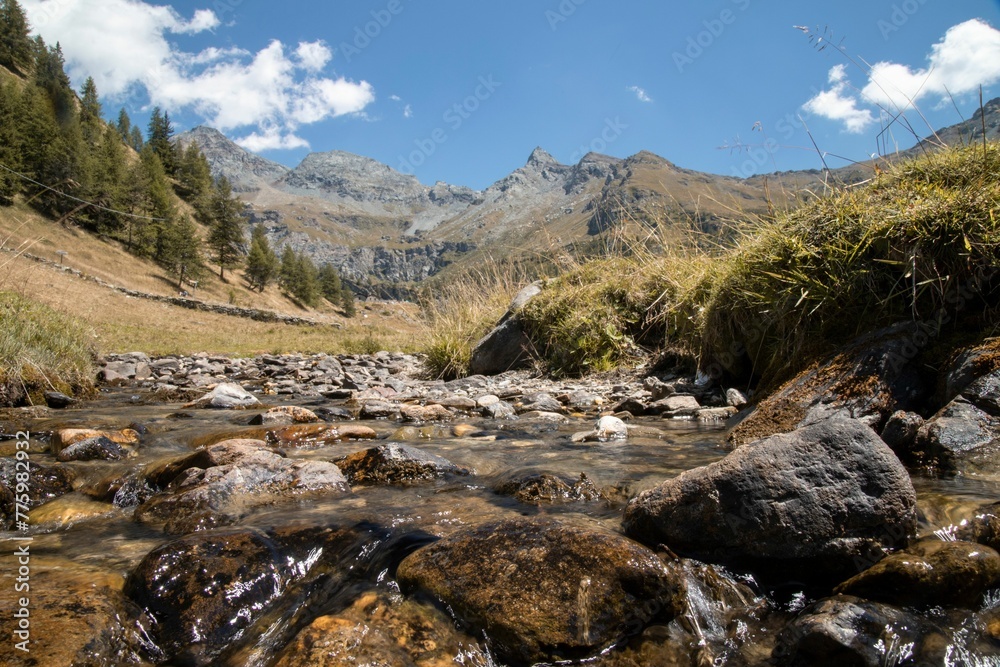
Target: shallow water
[(79, 532)]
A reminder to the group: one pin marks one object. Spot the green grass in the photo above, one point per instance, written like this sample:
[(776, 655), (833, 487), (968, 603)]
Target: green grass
[(40, 350), (905, 246)]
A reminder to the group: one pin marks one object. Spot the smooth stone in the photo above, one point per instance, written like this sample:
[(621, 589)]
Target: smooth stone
[(543, 488), (425, 413), (928, 574), (64, 437), (542, 590), (58, 400), (821, 498), (92, 449), (225, 396), (285, 414)]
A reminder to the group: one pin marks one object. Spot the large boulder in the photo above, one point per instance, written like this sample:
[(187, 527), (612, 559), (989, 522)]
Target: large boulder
[(43, 484), (824, 498), (226, 396), (869, 379), (205, 589), (507, 346), (541, 590)]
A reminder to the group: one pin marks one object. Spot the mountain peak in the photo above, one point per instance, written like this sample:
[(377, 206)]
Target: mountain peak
[(540, 157), (247, 172)]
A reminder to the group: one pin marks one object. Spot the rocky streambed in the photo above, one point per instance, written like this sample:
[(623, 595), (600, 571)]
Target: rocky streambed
[(340, 510)]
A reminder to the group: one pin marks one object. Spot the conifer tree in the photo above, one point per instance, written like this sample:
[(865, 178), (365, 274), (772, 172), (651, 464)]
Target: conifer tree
[(182, 251), (308, 287), (124, 125), (16, 50), (195, 177), (160, 136), (329, 284), (226, 236), (10, 142), (347, 303), (262, 263)]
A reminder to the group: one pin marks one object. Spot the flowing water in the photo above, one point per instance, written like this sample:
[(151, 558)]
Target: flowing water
[(79, 532)]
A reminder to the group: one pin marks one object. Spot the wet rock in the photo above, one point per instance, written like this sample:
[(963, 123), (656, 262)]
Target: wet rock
[(395, 463), (378, 631), (226, 396), (58, 400), (425, 413), (379, 410), (543, 488), (507, 346), (900, 432), (204, 591), (67, 510), (498, 410), (983, 528), (64, 437), (607, 429), (237, 478), (850, 631), (542, 590), (78, 616), (93, 449), (285, 414), (318, 435), (955, 434), (43, 484), (869, 379), (928, 574), (467, 431), (334, 414), (819, 497)]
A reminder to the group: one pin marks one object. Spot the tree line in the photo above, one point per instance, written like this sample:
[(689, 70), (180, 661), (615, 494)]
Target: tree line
[(59, 153)]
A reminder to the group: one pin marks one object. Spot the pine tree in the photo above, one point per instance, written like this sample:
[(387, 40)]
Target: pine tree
[(124, 125), (226, 237), (308, 291), (90, 111), (160, 137), (110, 178), (347, 303), (182, 251), (10, 142), (16, 50), (262, 263), (50, 76), (195, 179), (135, 139), (329, 284), (288, 271)]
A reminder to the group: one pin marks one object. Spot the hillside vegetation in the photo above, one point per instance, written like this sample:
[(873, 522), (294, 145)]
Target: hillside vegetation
[(920, 241)]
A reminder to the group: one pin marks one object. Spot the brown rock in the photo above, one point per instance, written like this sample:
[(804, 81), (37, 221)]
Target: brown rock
[(65, 437)]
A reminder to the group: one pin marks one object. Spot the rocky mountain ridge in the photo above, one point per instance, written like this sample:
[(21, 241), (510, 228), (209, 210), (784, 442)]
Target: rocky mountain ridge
[(380, 227)]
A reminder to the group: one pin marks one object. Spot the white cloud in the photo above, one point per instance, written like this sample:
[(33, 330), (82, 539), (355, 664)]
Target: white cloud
[(395, 98), (966, 57), (839, 105), (313, 55), (271, 138), (640, 94), (124, 45), (408, 111)]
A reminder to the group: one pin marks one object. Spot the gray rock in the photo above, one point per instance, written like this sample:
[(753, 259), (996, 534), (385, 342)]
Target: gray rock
[(850, 631), (822, 497), (900, 432), (540, 402), (226, 396), (543, 488), (983, 528), (735, 398), (395, 463), (507, 346), (955, 433), (542, 590), (581, 400), (677, 406), (238, 476), (58, 400), (499, 410), (93, 449)]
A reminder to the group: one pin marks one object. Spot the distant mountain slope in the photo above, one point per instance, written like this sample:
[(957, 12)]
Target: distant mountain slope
[(380, 226)]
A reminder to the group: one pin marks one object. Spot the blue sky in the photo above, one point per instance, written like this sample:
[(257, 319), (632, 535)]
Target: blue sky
[(462, 91)]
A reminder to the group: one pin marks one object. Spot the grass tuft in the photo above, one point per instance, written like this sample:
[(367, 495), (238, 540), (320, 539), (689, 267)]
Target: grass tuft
[(41, 350)]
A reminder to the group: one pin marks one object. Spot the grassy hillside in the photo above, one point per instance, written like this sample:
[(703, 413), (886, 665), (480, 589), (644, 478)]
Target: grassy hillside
[(921, 241)]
